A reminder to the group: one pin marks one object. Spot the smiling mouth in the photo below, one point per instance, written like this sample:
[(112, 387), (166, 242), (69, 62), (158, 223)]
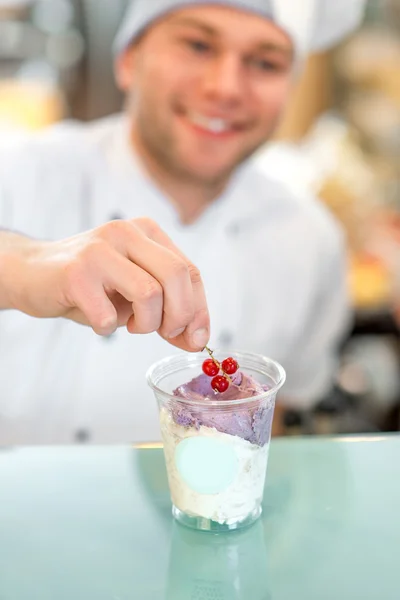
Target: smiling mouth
[(213, 125)]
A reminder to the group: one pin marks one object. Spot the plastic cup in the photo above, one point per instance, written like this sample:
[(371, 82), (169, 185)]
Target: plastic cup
[(216, 453)]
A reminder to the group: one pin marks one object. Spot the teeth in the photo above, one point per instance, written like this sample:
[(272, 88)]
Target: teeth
[(213, 125)]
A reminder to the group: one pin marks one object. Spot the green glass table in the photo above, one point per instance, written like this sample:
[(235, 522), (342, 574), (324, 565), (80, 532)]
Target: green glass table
[(94, 523)]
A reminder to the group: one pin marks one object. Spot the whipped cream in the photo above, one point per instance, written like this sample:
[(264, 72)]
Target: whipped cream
[(240, 496)]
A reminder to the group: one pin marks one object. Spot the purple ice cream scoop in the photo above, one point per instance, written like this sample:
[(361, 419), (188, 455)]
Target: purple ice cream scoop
[(252, 423)]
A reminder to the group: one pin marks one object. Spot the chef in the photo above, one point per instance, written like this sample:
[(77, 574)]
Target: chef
[(151, 231)]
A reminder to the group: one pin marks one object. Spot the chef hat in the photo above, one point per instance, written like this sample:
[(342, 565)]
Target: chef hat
[(313, 25)]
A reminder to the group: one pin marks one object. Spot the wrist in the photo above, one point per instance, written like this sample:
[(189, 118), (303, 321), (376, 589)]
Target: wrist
[(15, 254), (8, 277)]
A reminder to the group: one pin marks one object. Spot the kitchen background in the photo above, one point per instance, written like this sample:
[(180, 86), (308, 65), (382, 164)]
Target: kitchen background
[(340, 139)]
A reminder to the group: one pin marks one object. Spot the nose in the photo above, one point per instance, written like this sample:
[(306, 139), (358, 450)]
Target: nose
[(223, 80)]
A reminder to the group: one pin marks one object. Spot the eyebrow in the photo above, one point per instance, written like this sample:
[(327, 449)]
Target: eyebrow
[(210, 30), (189, 21), (271, 47)]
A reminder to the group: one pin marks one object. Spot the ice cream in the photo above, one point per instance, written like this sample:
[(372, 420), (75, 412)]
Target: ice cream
[(216, 455), (252, 423)]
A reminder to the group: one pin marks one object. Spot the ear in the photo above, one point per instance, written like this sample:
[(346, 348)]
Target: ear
[(125, 69)]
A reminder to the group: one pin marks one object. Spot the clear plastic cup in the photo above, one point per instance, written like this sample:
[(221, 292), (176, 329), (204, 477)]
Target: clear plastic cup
[(216, 477)]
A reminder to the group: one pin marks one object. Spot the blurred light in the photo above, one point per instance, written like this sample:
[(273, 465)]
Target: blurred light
[(150, 446), (11, 37), (38, 70), (20, 40), (65, 50), (53, 16), (15, 3), (353, 379), (28, 105)]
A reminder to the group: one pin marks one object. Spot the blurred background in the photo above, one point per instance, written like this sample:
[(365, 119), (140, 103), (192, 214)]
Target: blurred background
[(340, 139)]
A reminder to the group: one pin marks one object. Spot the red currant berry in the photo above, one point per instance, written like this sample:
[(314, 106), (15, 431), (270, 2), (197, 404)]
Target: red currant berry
[(220, 384), (230, 366), (210, 368)]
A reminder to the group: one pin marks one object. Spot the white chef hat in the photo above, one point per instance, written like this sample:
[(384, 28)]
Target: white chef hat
[(313, 25)]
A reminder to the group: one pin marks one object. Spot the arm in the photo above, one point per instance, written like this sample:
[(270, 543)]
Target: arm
[(12, 246), (124, 273)]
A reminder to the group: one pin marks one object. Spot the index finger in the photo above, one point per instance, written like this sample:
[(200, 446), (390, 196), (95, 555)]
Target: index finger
[(197, 333)]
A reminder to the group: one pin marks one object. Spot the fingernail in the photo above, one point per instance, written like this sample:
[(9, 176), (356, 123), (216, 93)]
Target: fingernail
[(200, 338), (108, 326), (175, 334)]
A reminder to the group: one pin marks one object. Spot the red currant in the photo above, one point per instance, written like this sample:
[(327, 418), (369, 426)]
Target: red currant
[(220, 384), (230, 366), (210, 368)]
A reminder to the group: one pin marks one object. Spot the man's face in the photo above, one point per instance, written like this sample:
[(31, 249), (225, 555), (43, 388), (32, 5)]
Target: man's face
[(206, 87)]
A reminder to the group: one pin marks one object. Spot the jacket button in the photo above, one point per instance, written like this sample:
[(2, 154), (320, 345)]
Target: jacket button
[(82, 436), (225, 338), (234, 230), (116, 217)]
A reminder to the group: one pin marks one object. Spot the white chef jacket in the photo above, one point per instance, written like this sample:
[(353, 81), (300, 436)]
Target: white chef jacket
[(272, 264)]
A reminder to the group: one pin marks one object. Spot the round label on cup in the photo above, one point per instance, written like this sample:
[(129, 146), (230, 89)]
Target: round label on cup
[(206, 465)]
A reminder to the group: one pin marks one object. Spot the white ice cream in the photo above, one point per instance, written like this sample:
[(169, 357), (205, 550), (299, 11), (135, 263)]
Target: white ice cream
[(243, 494)]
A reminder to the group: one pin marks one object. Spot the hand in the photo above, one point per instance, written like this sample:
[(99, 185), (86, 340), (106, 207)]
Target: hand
[(124, 273)]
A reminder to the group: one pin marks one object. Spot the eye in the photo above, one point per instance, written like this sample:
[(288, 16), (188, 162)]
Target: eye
[(198, 46), (264, 65)]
